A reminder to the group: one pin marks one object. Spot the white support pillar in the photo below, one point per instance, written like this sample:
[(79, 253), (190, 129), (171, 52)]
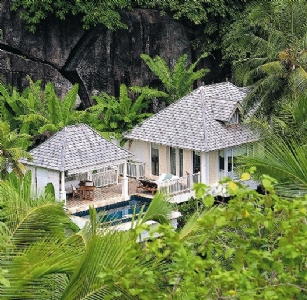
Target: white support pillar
[(62, 190), (90, 175), (125, 190)]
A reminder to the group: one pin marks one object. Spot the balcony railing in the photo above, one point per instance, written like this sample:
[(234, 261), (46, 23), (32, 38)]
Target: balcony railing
[(252, 184), (232, 174), (105, 177), (134, 169), (76, 177), (179, 185)]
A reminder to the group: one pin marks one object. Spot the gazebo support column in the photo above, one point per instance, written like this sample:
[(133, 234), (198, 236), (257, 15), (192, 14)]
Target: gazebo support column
[(125, 190), (62, 190)]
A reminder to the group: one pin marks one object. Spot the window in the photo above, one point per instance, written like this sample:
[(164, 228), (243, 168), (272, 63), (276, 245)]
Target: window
[(176, 155), (235, 117), (227, 160), (196, 162), (180, 162), (154, 159), (172, 156), (221, 161)]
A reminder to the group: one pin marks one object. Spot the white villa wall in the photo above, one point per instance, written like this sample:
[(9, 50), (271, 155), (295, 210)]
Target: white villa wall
[(141, 151), (163, 159), (41, 177), (187, 162), (209, 163), (213, 167), (54, 178)]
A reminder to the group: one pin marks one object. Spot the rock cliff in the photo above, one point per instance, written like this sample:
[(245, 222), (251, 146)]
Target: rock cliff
[(96, 59)]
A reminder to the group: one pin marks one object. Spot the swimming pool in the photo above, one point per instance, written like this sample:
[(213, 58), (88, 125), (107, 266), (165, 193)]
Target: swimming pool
[(120, 212)]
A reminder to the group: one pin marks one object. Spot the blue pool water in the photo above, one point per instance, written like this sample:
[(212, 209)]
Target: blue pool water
[(119, 212)]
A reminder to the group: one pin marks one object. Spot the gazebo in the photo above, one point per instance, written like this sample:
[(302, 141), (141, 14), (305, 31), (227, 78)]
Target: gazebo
[(74, 149)]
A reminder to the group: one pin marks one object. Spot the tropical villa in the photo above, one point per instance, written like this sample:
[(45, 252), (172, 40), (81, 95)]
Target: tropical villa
[(196, 139), (76, 149), (78, 154)]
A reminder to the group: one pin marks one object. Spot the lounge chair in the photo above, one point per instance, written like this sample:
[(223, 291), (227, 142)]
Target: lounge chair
[(149, 185), (153, 185)]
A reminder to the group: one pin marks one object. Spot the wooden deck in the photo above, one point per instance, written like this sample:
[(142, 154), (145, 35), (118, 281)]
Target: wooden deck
[(104, 196)]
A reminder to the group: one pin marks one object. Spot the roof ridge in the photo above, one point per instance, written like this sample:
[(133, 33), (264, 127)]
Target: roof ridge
[(167, 107), (191, 123)]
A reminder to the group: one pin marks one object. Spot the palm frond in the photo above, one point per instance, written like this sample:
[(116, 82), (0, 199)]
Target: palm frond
[(104, 251), (284, 160), (298, 80), (158, 210), (159, 67)]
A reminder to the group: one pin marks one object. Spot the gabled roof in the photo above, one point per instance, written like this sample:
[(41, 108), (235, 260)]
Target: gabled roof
[(225, 110), (77, 148), (197, 121)]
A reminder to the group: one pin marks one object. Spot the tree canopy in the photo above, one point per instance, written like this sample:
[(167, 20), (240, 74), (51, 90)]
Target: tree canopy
[(91, 12), (208, 20), (268, 46)]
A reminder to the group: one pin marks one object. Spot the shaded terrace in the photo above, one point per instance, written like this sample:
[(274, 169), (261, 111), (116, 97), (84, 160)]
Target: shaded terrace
[(104, 196)]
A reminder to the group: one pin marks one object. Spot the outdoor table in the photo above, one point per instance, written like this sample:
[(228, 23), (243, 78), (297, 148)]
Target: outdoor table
[(87, 192)]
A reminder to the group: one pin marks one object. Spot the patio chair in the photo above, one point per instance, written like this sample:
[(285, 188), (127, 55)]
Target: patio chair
[(75, 192)]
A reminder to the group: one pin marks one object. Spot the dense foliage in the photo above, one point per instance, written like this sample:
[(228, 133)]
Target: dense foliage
[(188, 209), (178, 81), (268, 46), (91, 12), (253, 248), (112, 117), (43, 255), (38, 111)]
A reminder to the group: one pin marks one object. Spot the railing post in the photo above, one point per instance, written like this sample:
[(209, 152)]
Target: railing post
[(117, 175), (125, 192), (137, 171), (62, 191)]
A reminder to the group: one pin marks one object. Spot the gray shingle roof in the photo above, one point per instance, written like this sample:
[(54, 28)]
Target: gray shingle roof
[(77, 147), (185, 124)]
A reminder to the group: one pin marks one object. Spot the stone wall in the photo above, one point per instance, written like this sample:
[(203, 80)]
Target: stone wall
[(97, 59)]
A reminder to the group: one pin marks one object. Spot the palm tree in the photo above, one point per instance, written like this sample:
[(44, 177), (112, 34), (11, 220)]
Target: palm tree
[(273, 60), (179, 81), (105, 252), (275, 81), (45, 259), (36, 254), (291, 121), (12, 149), (112, 116), (283, 159)]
